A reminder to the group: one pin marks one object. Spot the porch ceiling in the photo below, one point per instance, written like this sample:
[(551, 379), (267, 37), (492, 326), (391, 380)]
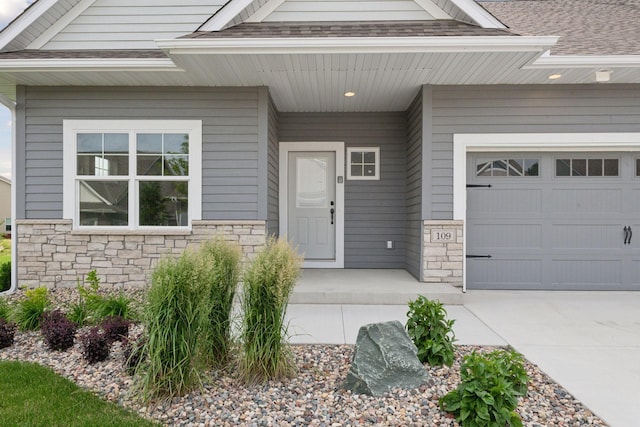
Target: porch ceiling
[(315, 78)]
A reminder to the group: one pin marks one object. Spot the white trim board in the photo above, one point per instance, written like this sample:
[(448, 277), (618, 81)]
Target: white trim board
[(497, 142), (338, 147), (23, 21)]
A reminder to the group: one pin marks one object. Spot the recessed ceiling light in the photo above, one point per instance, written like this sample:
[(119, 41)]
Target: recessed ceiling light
[(349, 94), (554, 76)]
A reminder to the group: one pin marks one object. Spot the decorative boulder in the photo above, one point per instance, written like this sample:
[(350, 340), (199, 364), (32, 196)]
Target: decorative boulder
[(384, 358)]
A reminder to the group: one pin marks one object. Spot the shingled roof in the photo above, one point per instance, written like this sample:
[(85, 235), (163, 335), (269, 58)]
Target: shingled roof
[(442, 28), (585, 27)]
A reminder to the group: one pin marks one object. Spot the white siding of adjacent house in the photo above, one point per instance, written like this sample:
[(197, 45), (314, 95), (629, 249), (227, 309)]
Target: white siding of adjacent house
[(345, 10), (127, 24)]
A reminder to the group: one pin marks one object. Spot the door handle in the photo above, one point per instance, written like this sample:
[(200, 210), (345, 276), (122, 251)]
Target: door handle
[(626, 234), (332, 211)]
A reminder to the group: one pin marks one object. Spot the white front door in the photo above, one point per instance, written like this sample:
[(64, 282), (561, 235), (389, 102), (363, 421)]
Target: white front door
[(312, 201)]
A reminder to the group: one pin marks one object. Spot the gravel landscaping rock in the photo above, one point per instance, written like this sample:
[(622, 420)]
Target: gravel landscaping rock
[(315, 397)]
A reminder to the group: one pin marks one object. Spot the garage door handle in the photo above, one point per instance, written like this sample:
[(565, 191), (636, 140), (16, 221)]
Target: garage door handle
[(626, 234), (630, 235)]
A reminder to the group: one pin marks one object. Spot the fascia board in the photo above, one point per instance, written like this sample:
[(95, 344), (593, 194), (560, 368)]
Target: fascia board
[(478, 14), (225, 15), (587, 61), (22, 22), (70, 65), (357, 45)]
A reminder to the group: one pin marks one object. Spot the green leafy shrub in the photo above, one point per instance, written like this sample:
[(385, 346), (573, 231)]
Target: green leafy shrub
[(490, 385), (431, 332), (95, 345), (220, 271), (267, 285), (58, 332), (5, 276), (30, 308), (174, 319), (113, 306), (92, 308), (7, 333)]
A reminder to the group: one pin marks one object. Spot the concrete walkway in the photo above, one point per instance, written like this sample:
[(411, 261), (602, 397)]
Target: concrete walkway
[(587, 341)]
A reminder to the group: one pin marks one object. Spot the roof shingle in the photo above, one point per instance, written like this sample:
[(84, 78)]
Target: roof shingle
[(441, 28), (585, 27)]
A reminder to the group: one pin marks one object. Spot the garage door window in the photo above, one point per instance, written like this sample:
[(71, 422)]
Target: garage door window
[(587, 167), (507, 167)]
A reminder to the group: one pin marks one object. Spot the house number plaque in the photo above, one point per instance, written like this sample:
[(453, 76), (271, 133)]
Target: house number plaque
[(443, 236)]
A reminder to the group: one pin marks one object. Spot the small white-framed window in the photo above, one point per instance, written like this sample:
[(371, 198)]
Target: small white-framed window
[(132, 174), (363, 163)]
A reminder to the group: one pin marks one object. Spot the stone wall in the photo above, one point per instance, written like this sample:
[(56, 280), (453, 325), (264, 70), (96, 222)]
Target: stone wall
[(442, 260), (51, 254)]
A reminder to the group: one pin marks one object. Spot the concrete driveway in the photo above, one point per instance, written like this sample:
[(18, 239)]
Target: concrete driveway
[(587, 341)]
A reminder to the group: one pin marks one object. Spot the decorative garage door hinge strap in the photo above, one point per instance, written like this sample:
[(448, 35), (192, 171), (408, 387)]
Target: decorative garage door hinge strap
[(478, 256), (478, 185)]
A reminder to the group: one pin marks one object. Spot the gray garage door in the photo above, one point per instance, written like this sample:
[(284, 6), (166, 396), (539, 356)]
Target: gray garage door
[(560, 221)]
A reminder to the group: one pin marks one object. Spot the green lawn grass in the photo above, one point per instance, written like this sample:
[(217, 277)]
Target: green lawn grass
[(32, 395), (5, 254)]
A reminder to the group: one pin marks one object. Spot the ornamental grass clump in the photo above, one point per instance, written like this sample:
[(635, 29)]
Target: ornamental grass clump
[(58, 332), (28, 311), (267, 285), (220, 273), (489, 389), (431, 331), (174, 319), (5, 309)]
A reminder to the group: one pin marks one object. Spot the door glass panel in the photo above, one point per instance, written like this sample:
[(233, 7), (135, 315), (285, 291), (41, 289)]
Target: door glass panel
[(610, 167), (595, 167), (531, 167), (579, 167), (515, 167), (563, 167), (311, 182)]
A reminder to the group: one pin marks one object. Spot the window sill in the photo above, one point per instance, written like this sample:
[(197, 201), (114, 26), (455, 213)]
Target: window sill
[(127, 232)]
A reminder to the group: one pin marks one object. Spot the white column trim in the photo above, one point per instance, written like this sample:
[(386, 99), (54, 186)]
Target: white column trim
[(338, 148)]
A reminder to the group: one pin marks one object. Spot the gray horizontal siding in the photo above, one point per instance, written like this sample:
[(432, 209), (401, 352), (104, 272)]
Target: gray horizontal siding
[(414, 187), (521, 109), (374, 210), (273, 200), (229, 151)]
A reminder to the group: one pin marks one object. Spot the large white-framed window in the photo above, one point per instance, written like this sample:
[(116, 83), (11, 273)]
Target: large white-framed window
[(132, 174)]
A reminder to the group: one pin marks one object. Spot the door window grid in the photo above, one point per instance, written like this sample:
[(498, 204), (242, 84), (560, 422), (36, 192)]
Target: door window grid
[(587, 167), (364, 163), (508, 167)]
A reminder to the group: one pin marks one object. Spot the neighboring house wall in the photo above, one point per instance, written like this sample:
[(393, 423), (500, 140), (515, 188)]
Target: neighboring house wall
[(414, 187), (5, 203), (273, 220), (375, 210), (526, 108), (114, 24)]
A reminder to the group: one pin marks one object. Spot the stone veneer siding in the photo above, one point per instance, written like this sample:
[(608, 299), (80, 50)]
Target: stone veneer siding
[(51, 254), (442, 261)]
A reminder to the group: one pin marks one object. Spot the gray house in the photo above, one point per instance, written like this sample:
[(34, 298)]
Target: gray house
[(491, 144)]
